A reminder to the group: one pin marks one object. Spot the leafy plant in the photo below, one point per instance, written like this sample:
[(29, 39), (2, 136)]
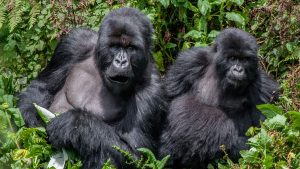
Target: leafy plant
[(275, 145)]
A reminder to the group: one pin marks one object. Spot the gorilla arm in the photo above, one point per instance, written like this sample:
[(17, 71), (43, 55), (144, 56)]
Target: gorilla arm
[(188, 67), (42, 90), (267, 89)]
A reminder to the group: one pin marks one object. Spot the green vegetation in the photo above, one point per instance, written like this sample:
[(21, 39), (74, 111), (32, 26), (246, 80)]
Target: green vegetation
[(30, 29)]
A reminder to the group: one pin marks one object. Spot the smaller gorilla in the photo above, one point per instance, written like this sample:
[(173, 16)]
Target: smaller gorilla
[(214, 92), (106, 87)]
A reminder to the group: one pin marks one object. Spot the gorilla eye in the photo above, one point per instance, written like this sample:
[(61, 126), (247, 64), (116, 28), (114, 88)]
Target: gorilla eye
[(231, 58), (131, 48), (114, 47)]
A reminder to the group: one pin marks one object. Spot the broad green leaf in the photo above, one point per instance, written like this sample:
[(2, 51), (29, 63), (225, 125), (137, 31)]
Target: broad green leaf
[(238, 2), (277, 122), (18, 119), (45, 114), (269, 110), (193, 34), (236, 17), (213, 34), (202, 25), (250, 155), (165, 3), (204, 6)]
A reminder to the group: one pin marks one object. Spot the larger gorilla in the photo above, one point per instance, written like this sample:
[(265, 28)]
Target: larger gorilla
[(106, 87), (214, 92)]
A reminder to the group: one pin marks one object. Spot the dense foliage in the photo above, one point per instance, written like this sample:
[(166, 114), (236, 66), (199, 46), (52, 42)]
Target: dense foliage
[(30, 29)]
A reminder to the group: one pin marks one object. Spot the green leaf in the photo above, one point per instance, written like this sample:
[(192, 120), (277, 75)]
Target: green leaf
[(190, 6), (269, 110), (45, 114), (204, 6), (2, 15), (263, 138), (170, 45), (236, 17), (251, 155), (268, 161), (238, 2), (193, 34), (159, 60), (163, 162), (289, 47), (213, 34), (149, 154), (165, 3), (277, 122), (18, 119), (19, 154), (295, 119)]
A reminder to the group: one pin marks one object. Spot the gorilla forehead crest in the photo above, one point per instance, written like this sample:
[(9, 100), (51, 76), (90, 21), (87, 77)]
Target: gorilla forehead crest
[(236, 40), (126, 26)]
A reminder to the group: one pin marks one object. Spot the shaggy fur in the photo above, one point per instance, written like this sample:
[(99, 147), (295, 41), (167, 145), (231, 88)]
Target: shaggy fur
[(213, 93), (135, 107)]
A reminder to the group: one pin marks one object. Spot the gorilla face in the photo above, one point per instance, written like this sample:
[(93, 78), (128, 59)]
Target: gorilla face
[(122, 53), (237, 62)]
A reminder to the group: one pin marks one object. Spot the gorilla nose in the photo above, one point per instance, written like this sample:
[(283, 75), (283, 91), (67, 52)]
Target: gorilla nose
[(238, 69), (121, 63)]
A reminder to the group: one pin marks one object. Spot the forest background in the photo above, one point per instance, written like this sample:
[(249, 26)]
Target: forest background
[(30, 30)]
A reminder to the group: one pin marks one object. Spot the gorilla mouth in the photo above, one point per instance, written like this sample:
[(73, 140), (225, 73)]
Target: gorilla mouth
[(119, 79)]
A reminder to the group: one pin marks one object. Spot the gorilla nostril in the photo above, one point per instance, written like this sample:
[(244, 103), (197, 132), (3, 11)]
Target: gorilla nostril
[(123, 62), (117, 61)]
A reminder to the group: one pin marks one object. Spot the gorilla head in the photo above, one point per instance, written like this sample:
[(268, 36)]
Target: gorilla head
[(124, 47), (236, 60)]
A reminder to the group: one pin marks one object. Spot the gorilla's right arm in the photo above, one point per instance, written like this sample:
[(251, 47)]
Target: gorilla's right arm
[(76, 46), (185, 71)]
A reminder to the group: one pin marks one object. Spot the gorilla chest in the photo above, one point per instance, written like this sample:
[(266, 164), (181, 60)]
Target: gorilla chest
[(83, 89)]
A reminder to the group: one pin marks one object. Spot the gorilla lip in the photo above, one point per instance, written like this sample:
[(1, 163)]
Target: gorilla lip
[(119, 79)]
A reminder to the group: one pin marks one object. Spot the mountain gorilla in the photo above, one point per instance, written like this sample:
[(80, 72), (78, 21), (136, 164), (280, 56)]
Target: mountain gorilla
[(106, 87), (214, 92)]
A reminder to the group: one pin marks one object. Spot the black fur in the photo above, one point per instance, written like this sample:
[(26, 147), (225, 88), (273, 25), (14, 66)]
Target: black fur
[(211, 105), (84, 131)]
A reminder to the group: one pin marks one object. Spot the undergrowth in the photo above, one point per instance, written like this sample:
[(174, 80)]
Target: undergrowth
[(30, 30)]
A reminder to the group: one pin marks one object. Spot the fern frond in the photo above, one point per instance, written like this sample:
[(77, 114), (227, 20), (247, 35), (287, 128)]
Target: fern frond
[(15, 15), (35, 10), (2, 15)]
